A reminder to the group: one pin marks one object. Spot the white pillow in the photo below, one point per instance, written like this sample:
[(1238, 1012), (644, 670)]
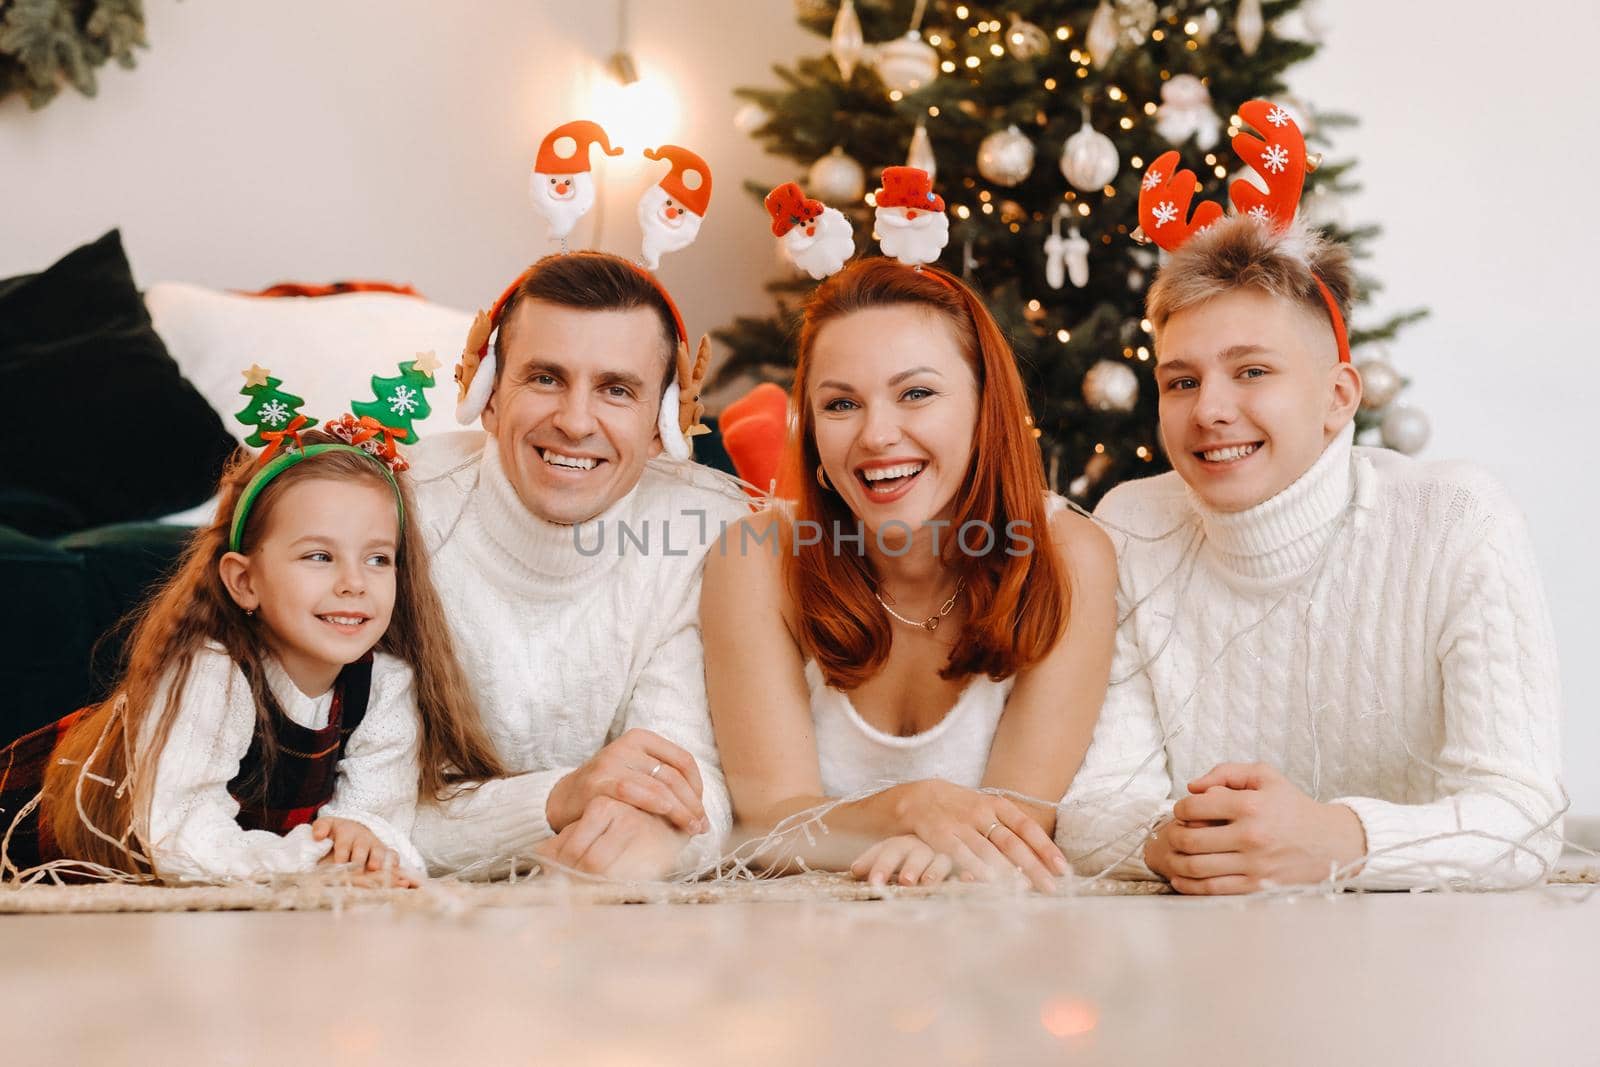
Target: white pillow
[(326, 349)]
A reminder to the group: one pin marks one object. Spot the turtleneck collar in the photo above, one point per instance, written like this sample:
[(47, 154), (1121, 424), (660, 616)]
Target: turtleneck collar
[(530, 550), (1281, 537), (308, 711)]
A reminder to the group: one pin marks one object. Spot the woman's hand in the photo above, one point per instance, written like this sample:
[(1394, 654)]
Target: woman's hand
[(985, 835), (906, 859), (375, 865)]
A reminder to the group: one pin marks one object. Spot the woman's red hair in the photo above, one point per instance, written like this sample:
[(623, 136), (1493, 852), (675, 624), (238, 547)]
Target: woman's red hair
[(1017, 604)]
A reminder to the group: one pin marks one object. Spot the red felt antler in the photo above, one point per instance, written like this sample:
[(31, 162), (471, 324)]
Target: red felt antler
[(1280, 159), (1164, 198)]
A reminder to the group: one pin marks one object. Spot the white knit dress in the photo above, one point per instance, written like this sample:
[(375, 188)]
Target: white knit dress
[(1377, 632)]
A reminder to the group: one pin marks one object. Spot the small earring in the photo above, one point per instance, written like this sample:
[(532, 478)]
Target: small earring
[(822, 479), (250, 612)]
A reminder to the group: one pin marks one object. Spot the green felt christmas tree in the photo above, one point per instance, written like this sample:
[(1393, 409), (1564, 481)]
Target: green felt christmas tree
[(270, 408), (401, 400), (1038, 118)]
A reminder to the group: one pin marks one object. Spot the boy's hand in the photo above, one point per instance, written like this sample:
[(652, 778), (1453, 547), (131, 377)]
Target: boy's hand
[(375, 865)]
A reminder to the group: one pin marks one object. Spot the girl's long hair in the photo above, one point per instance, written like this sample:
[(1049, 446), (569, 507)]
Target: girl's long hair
[(1018, 606), (97, 788)]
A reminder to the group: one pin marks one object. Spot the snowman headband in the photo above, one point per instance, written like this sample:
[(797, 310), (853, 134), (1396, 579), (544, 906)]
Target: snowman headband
[(669, 212), (909, 220), (365, 430), (1280, 158)]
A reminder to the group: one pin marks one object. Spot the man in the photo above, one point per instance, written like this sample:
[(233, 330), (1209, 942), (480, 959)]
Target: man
[(568, 555), (1338, 658)]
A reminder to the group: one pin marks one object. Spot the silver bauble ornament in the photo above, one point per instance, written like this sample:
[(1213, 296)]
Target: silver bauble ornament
[(1024, 40), (1101, 40), (837, 179), (1136, 18), (1006, 157), (847, 43), (1249, 25), (921, 154), (1406, 429), (906, 64), (750, 118), (1089, 159), (1380, 383), (1111, 386)]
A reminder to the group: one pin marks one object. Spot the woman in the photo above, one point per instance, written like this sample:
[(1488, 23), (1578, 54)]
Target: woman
[(929, 619)]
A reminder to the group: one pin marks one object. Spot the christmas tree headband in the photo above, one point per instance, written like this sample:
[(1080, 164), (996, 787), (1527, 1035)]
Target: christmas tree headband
[(909, 220), (1279, 157), (372, 429), (669, 212)]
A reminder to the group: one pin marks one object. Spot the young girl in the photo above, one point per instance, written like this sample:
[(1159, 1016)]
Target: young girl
[(286, 693)]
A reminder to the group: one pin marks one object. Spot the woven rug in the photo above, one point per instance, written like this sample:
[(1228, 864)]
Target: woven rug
[(444, 896)]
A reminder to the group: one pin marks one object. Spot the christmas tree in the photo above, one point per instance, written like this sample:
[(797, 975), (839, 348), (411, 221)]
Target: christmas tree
[(44, 43), (401, 399), (1037, 119), (270, 408)]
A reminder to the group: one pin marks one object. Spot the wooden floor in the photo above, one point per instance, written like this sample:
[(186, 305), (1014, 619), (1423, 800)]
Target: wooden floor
[(1395, 978)]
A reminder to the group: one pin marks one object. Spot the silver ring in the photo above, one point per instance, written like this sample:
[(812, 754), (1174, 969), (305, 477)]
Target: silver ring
[(990, 830), (655, 770)]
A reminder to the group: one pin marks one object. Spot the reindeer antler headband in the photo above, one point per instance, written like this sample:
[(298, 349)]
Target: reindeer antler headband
[(670, 212), (1279, 156)]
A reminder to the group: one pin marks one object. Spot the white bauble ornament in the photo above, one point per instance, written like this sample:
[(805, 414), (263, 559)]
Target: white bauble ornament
[(1308, 22), (1380, 383), (1024, 40), (750, 118), (836, 178), (1135, 19), (1006, 157), (906, 64), (1206, 25), (1249, 26), (1406, 429), (1101, 40), (847, 44), (1111, 386), (1089, 158), (921, 154), (1186, 112)]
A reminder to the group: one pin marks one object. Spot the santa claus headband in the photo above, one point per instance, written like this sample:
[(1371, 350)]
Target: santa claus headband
[(669, 212), (366, 430), (910, 222), (1279, 157)]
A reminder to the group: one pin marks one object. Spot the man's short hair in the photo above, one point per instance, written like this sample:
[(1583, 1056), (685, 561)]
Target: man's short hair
[(1240, 253), (589, 281)]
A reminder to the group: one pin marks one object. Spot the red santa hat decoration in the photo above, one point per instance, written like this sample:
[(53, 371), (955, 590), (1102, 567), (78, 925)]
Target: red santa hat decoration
[(910, 221), (816, 238), (562, 190), (1278, 156), (670, 211)]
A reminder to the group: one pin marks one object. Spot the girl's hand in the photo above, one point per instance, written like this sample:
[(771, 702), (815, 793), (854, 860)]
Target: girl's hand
[(354, 844), (984, 834), (906, 859)]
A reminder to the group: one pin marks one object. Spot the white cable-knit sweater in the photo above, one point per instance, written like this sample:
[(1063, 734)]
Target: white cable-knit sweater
[(192, 833), (568, 636), (1377, 632)]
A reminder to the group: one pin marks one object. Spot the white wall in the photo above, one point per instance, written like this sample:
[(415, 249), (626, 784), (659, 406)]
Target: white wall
[(391, 139)]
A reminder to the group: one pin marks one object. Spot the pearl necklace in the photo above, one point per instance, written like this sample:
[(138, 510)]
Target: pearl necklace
[(932, 622)]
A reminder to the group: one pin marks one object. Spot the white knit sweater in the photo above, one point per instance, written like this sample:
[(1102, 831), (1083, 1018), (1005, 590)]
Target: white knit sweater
[(191, 831), (569, 636), (1377, 632)]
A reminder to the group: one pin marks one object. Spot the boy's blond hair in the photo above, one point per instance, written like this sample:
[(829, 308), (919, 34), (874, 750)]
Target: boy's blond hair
[(1240, 253)]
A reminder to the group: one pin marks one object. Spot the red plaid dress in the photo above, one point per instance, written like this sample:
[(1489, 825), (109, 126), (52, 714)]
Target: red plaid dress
[(303, 773)]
